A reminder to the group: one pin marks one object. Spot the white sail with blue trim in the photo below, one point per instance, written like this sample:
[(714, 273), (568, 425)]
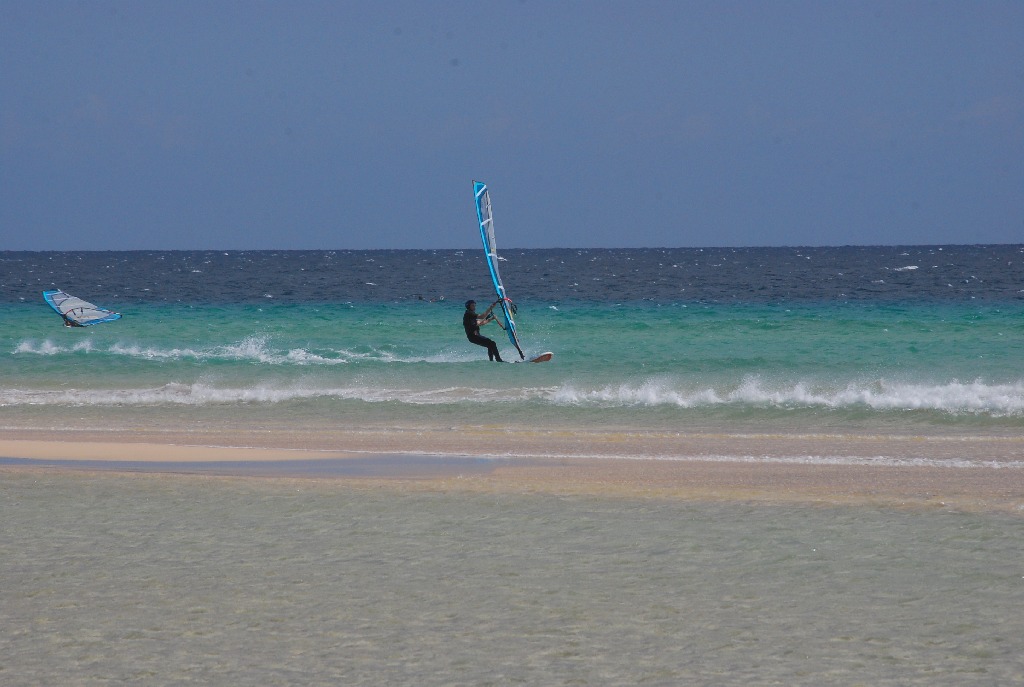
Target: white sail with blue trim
[(486, 220), (75, 311)]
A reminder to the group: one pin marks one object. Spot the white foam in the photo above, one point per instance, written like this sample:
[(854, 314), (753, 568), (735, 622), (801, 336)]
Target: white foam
[(256, 349), (47, 347), (205, 394), (877, 461), (999, 400)]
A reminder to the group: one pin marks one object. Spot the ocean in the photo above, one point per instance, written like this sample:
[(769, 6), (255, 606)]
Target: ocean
[(170, 575), (780, 339)]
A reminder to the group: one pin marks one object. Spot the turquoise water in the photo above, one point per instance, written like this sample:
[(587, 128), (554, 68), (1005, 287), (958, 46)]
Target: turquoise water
[(893, 339), (645, 365)]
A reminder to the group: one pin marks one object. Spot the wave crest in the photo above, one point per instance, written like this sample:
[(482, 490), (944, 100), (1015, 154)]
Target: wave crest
[(998, 400), (254, 349), (953, 398)]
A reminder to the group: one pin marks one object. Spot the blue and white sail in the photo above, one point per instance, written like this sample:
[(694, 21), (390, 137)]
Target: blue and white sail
[(486, 220), (75, 311)]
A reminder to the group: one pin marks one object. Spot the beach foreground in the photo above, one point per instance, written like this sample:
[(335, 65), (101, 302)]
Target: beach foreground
[(461, 557), (170, 579), (979, 473)]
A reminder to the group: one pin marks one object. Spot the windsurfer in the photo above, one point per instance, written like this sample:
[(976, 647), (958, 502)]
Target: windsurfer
[(472, 323)]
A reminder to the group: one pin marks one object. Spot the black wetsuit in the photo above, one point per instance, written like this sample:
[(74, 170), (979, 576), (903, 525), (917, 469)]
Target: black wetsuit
[(473, 334)]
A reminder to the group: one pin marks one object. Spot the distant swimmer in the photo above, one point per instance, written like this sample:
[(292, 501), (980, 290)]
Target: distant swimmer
[(472, 323)]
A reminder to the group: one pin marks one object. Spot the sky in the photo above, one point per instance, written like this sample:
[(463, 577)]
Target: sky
[(351, 124)]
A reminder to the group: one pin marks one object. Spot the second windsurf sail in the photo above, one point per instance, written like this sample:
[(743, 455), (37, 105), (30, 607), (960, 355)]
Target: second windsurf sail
[(75, 311)]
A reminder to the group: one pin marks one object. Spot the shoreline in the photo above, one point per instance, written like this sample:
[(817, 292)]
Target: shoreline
[(972, 474)]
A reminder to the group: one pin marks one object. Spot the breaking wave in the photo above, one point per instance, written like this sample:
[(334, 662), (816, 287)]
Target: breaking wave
[(255, 349), (956, 398), (953, 398), (204, 394)]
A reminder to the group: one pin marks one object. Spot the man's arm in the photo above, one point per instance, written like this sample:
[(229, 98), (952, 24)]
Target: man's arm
[(487, 316)]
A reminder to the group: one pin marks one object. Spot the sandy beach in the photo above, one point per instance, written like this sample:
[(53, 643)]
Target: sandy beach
[(483, 556), (978, 473)]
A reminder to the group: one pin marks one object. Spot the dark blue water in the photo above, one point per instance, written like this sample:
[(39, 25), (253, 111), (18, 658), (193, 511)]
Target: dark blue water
[(672, 275)]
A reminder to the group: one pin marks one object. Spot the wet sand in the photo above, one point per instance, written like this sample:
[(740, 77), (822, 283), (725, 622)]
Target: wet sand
[(984, 473)]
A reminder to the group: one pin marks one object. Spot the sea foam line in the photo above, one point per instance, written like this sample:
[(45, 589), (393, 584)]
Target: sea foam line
[(254, 349), (201, 394), (878, 461), (952, 397)]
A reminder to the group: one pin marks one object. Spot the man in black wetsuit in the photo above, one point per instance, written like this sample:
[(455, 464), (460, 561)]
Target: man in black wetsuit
[(472, 323)]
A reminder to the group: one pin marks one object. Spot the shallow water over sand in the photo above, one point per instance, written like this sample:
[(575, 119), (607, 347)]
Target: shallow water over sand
[(161, 579)]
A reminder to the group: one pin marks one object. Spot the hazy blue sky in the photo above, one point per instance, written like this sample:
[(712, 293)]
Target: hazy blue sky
[(361, 124)]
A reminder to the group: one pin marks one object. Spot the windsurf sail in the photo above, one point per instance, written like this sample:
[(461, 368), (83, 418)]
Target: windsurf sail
[(76, 312), (486, 220)]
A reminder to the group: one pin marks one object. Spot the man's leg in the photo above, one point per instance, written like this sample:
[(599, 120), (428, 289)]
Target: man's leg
[(492, 351), (492, 348)]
